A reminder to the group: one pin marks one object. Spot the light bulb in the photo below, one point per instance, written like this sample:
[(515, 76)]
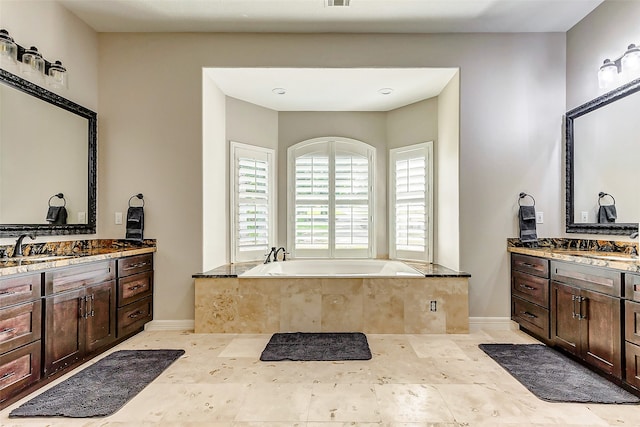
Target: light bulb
[(608, 74), (631, 63)]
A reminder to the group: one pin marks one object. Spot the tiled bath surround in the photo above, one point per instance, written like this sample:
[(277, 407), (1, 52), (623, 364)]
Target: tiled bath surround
[(225, 303)]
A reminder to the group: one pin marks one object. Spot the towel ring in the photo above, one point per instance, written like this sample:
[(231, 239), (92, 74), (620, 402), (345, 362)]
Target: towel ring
[(139, 196), (523, 195), (59, 196), (603, 194)]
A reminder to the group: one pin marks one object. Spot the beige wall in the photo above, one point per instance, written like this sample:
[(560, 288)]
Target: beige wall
[(447, 182), (511, 104)]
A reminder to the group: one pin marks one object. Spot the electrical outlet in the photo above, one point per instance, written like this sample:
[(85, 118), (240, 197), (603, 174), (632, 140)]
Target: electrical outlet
[(539, 217), (432, 306), (584, 216), (82, 217), (118, 217)]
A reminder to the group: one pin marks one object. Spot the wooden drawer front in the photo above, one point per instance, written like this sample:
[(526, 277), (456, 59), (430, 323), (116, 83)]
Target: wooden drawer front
[(593, 278), (14, 290), (531, 288), (68, 278), (18, 369), (632, 286), (19, 325), (530, 264), (135, 287), (632, 365), (133, 316), (632, 322), (135, 264), (530, 316)]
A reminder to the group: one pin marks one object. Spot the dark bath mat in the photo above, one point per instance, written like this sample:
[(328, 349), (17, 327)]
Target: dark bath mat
[(323, 346), (102, 388), (554, 377)]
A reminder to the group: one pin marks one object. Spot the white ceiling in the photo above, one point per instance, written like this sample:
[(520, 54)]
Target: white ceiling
[(331, 89), (313, 16)]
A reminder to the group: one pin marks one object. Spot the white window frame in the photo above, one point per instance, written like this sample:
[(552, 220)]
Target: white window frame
[(329, 145), (426, 149), (259, 153)]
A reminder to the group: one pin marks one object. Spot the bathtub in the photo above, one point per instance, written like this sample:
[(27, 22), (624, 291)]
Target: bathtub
[(333, 268)]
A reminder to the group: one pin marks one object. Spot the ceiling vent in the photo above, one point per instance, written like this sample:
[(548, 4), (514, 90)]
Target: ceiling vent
[(338, 3)]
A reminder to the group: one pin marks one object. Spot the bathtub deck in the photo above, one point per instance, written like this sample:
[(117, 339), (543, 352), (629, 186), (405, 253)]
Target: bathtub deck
[(232, 304)]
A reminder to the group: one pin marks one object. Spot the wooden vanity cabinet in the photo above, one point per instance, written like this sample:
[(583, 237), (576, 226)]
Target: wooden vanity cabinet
[(632, 329), (20, 333), (79, 313), (586, 311), (135, 293), (530, 294)]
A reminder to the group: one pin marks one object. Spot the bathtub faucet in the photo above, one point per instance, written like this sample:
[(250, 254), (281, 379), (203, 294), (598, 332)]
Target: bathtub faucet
[(284, 254), (272, 251)]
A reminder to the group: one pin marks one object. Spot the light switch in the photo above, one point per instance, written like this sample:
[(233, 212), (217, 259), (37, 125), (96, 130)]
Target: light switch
[(118, 217), (584, 216), (539, 217)]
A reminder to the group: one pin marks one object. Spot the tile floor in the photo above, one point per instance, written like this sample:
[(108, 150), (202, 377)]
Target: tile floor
[(412, 380)]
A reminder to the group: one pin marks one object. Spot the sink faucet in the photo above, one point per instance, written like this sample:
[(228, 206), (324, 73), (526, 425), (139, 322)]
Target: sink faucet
[(284, 254), (17, 250)]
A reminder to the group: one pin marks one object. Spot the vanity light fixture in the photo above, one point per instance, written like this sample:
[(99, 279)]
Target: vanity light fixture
[(279, 90), (30, 62), (621, 70), (385, 91)]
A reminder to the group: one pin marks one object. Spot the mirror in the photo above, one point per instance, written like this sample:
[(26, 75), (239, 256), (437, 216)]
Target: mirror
[(602, 152), (47, 146)]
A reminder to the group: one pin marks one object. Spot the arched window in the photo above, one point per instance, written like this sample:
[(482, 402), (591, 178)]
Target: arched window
[(330, 198)]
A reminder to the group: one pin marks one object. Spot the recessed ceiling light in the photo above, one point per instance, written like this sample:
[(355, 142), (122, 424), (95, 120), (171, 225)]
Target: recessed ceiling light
[(338, 2), (279, 90), (385, 91)]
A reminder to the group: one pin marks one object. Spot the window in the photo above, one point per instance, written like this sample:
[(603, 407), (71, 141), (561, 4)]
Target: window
[(411, 205), (331, 198), (252, 201)]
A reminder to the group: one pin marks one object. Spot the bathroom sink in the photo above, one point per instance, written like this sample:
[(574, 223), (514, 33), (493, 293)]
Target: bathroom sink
[(36, 258)]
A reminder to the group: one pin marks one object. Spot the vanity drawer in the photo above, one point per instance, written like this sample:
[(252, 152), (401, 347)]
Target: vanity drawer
[(596, 279), (135, 264), (134, 287), (530, 316), (17, 289), (632, 364), (530, 264), (19, 369), (19, 325), (632, 322), (531, 288), (632, 286), (68, 278), (133, 316)]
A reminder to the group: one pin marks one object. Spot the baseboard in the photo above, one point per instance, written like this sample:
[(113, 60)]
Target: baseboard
[(492, 323), (169, 325)]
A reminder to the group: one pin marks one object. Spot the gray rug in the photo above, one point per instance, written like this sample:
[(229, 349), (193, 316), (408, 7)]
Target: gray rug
[(554, 377), (317, 346), (102, 388)]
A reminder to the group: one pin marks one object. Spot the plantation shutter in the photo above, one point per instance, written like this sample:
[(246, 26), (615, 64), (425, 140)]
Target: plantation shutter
[(351, 198), (253, 202), (411, 195), (312, 202)]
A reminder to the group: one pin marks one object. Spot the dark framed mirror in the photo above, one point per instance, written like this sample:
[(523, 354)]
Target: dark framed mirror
[(47, 146), (602, 154)]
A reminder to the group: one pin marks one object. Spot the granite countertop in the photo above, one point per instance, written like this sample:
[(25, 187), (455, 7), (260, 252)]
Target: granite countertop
[(43, 256), (600, 253), (234, 270)]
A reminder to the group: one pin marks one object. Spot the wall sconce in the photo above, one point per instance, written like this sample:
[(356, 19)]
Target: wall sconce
[(31, 63), (621, 70)]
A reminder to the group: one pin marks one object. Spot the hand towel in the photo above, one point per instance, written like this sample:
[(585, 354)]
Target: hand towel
[(607, 214), (135, 223), (527, 222), (57, 215)]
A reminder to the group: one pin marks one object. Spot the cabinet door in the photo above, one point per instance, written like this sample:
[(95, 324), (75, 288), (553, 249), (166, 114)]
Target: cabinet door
[(601, 337), (100, 315), (65, 330), (565, 326)]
